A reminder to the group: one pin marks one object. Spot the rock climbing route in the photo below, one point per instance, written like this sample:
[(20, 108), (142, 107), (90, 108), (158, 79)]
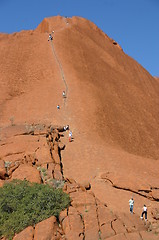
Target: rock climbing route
[(61, 69)]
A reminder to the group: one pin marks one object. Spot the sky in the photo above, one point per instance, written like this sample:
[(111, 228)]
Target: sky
[(134, 24)]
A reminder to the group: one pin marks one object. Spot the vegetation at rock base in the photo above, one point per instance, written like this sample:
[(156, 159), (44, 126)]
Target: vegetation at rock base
[(24, 204)]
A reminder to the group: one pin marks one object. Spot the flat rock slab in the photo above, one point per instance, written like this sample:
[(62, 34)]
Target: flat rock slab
[(27, 172)]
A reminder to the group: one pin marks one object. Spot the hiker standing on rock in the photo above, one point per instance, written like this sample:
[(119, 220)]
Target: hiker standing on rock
[(131, 204), (50, 37), (63, 94), (144, 212)]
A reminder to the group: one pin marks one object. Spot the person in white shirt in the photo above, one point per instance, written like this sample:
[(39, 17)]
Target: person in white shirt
[(50, 37), (131, 204), (144, 212), (63, 94)]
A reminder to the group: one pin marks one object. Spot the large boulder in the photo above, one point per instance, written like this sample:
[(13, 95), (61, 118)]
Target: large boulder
[(72, 224), (26, 234), (47, 230), (43, 155), (27, 172)]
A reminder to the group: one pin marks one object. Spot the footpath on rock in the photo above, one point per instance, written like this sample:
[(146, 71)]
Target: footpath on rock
[(112, 111)]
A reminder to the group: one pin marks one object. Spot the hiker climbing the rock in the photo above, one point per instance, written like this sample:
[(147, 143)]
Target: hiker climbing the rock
[(58, 107), (50, 37), (70, 136), (144, 212), (63, 94), (131, 204)]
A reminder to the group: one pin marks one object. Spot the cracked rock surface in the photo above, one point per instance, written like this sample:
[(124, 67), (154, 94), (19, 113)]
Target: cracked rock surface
[(92, 214)]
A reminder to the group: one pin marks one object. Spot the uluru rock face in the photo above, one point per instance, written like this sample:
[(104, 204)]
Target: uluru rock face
[(113, 93), (112, 109)]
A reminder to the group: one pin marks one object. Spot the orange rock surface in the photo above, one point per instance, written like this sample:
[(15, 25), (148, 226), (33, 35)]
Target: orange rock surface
[(27, 172), (111, 108), (26, 234)]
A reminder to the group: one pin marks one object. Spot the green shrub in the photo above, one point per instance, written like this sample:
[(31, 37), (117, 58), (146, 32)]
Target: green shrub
[(24, 204)]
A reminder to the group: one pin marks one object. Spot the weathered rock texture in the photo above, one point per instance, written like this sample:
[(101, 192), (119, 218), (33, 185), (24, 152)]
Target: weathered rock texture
[(112, 109)]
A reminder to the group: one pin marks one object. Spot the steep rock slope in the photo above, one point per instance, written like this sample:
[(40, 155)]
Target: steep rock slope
[(111, 91), (111, 107)]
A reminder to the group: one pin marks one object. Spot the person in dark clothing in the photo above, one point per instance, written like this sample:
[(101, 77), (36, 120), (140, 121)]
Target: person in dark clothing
[(144, 212)]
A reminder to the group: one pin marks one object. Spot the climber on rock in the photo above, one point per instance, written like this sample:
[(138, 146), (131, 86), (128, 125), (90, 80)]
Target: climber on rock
[(58, 107), (50, 37), (64, 94), (131, 204), (144, 212)]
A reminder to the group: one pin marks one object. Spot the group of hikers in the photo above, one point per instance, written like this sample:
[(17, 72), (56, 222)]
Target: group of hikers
[(144, 209), (131, 201), (64, 96), (67, 126)]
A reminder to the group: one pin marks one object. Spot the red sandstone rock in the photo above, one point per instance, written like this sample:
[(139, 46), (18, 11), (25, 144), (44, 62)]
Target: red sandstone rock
[(133, 236), (19, 145), (1, 183), (43, 155), (148, 236), (2, 169), (56, 157), (26, 234), (69, 188), (56, 136), (27, 172), (63, 215), (51, 167), (106, 231), (14, 157), (155, 194), (118, 226), (120, 236), (72, 224), (58, 175), (61, 145), (82, 199), (155, 213), (47, 229), (106, 217), (12, 167), (57, 172), (91, 222), (115, 120)]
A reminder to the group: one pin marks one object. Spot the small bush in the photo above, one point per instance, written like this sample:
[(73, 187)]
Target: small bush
[(24, 204), (56, 183)]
